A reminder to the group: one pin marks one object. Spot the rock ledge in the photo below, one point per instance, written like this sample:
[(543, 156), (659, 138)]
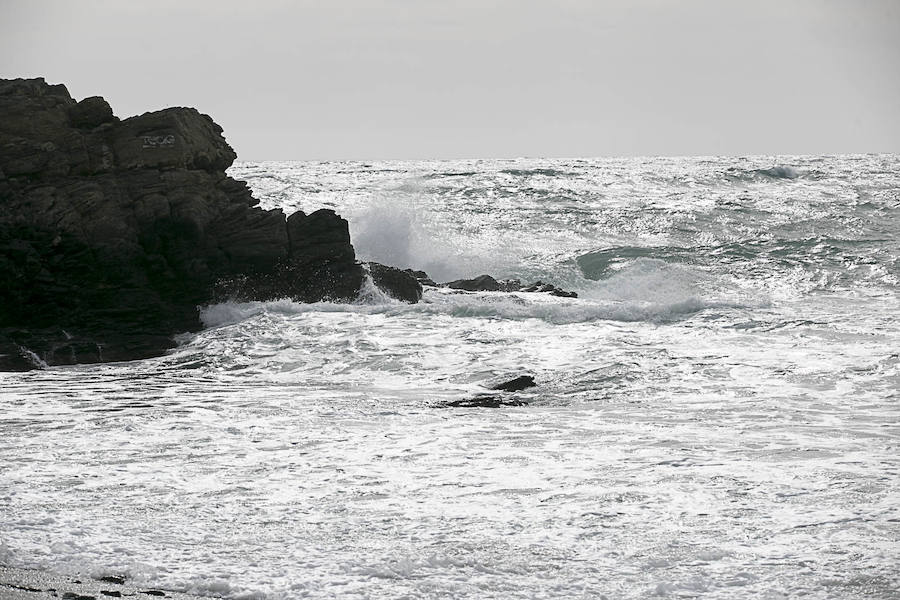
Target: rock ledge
[(113, 232)]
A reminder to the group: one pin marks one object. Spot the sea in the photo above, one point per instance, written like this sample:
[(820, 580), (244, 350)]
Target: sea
[(716, 415)]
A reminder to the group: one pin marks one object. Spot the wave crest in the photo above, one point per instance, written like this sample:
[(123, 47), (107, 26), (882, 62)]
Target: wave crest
[(763, 174), (647, 290)]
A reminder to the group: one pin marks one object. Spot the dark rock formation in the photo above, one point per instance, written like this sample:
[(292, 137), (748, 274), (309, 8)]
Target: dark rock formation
[(482, 283), (486, 283), (401, 284), (484, 401), (515, 385), (113, 232), (422, 277), (539, 286)]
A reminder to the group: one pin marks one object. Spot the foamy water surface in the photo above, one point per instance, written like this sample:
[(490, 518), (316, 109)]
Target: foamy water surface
[(716, 415)]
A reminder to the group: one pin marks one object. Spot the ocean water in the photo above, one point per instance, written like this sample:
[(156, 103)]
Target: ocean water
[(717, 415)]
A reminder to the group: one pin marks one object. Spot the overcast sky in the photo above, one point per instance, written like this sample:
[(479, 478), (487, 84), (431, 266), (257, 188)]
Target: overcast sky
[(369, 79)]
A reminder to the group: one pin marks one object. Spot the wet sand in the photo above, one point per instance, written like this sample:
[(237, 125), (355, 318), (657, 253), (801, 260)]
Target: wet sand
[(28, 584)]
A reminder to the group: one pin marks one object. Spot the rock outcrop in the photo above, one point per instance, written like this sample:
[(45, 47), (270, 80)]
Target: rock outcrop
[(483, 400), (486, 283), (113, 232), (517, 384), (403, 285)]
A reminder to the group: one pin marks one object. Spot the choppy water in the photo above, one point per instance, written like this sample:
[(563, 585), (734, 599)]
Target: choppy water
[(717, 414)]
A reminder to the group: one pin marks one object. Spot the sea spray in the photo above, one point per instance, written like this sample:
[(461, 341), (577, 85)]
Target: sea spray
[(401, 233), (719, 399)]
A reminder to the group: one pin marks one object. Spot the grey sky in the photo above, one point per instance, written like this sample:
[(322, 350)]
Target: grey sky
[(372, 79)]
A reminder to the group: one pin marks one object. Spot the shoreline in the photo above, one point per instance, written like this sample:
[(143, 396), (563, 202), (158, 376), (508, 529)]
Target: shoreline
[(34, 584)]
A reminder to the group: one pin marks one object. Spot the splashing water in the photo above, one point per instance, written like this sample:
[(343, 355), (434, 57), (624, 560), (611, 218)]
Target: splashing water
[(716, 414)]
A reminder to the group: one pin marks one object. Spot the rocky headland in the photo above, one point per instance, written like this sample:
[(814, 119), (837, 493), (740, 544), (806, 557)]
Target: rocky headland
[(113, 232)]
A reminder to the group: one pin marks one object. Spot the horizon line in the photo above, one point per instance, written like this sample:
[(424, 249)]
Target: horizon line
[(552, 157)]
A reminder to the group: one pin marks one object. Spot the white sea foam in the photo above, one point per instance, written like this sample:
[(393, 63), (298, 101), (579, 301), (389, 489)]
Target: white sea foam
[(712, 421), (371, 294), (648, 290), (227, 313)]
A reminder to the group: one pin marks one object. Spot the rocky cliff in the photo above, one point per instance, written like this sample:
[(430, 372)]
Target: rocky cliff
[(113, 232)]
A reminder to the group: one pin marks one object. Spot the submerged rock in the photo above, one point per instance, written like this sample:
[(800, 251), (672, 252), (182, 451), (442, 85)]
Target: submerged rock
[(540, 286), (486, 283), (517, 384), (485, 401), (112, 232)]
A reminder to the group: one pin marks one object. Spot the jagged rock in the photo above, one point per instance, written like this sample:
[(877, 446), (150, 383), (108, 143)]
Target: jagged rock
[(497, 400), (321, 236), (482, 283), (400, 284), (112, 231), (539, 286), (486, 283), (509, 285), (91, 112), (515, 385), (422, 277), (484, 401)]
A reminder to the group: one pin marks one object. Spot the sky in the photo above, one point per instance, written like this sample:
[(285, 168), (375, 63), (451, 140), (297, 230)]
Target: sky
[(414, 79)]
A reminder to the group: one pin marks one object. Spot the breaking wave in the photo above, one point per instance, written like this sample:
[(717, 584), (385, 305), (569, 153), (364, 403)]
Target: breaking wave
[(648, 290), (763, 174), (405, 235), (779, 172), (730, 367)]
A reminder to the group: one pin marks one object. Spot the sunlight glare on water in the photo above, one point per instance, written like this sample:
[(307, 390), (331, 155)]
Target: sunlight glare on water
[(716, 415)]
